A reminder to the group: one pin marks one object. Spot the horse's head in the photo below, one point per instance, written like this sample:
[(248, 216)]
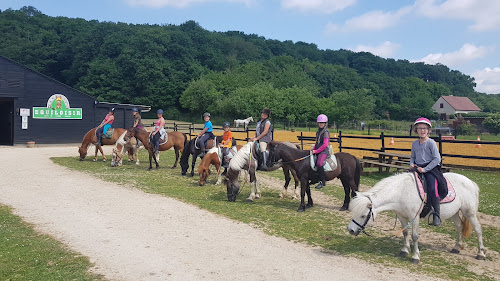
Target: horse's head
[(203, 169), (250, 119), (83, 152), (363, 215), (275, 154), (130, 134), (232, 185), (116, 160)]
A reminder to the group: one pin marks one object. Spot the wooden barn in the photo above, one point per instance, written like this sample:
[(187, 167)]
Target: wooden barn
[(34, 107)]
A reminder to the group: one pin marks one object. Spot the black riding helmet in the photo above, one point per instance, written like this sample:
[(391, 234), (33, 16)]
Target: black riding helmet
[(226, 124), (112, 109)]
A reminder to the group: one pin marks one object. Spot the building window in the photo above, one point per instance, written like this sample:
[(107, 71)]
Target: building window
[(441, 105)]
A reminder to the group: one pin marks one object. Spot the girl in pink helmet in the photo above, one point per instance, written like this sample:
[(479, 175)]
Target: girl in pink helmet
[(321, 147), (425, 158)]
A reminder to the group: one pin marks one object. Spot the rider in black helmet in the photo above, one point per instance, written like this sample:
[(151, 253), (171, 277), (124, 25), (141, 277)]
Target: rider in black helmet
[(263, 134)]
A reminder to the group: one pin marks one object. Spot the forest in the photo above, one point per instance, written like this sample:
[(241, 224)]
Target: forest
[(187, 70)]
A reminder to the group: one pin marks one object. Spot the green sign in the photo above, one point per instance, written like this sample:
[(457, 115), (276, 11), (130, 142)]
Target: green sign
[(57, 108)]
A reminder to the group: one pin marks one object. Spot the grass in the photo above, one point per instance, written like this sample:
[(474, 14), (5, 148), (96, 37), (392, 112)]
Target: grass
[(316, 227), (27, 255)]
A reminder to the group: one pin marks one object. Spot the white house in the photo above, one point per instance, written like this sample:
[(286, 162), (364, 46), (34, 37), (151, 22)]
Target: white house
[(448, 105)]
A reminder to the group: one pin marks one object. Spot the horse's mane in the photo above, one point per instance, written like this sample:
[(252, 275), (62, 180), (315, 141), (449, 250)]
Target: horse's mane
[(88, 137)]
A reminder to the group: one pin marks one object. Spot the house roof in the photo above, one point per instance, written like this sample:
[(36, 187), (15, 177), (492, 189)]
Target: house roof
[(461, 103)]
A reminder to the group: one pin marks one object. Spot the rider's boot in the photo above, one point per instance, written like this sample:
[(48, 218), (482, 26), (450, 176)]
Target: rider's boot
[(265, 155), (99, 139), (322, 177), (436, 215)]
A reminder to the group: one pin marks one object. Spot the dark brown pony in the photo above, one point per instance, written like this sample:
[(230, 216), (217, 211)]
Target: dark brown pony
[(90, 138), (211, 158), (348, 171), (177, 140)]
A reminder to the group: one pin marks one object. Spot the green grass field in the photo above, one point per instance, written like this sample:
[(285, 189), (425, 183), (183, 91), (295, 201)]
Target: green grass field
[(317, 226), (27, 255)]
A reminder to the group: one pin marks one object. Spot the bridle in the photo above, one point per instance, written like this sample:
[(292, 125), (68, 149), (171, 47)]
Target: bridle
[(368, 217)]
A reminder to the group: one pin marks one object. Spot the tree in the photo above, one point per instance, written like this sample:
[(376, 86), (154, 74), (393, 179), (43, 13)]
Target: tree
[(492, 123)]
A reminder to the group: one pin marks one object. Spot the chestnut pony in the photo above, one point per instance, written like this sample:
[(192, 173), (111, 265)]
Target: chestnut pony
[(177, 140), (211, 158), (90, 138)]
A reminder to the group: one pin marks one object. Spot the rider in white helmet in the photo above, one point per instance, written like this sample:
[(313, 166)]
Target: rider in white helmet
[(425, 158), (321, 147)]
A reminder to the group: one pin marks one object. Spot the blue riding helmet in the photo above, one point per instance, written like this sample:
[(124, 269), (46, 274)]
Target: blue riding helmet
[(160, 111), (135, 109)]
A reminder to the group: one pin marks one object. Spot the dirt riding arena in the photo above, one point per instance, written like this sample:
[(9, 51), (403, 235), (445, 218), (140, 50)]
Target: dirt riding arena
[(132, 235)]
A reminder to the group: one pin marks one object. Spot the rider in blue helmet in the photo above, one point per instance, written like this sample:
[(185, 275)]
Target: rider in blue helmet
[(206, 133)]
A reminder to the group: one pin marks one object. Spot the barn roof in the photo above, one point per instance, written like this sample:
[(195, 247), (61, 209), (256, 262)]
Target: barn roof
[(461, 103)]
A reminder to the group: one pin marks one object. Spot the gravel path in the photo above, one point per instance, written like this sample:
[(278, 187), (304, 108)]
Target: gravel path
[(132, 235)]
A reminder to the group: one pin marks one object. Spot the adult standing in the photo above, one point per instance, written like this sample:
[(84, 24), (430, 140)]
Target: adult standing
[(263, 134)]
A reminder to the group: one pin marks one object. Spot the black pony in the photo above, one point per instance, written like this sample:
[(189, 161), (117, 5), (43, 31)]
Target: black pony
[(190, 148), (348, 171)]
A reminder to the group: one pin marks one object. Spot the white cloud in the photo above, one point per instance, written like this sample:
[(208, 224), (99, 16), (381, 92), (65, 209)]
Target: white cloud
[(180, 3), (488, 80), (372, 21), (317, 6), (467, 53), (483, 13), (385, 49)]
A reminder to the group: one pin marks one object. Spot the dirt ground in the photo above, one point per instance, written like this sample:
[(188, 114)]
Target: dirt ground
[(132, 235)]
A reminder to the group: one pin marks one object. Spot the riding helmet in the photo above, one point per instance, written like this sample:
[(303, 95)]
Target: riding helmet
[(206, 114), (322, 118), (226, 124), (266, 111), (112, 109), (160, 111), (423, 120), (135, 109)]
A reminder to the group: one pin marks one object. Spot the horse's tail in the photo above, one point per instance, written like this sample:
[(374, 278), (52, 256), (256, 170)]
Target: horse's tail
[(185, 155), (357, 173), (466, 227)]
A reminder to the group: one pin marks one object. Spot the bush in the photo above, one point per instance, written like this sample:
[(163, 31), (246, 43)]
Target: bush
[(468, 129), (492, 123)]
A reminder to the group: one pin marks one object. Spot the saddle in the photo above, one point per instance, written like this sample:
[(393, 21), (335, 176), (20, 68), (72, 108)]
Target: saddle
[(163, 137), (109, 133), (329, 165), (209, 143), (421, 190)]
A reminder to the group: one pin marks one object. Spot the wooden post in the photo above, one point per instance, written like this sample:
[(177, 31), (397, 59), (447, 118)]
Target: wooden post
[(340, 141), (383, 141), (301, 141)]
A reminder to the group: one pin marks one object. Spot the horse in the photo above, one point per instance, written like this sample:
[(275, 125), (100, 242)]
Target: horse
[(399, 194), (246, 159), (238, 122), (91, 138), (177, 140), (213, 157), (191, 149), (348, 171), (121, 144)]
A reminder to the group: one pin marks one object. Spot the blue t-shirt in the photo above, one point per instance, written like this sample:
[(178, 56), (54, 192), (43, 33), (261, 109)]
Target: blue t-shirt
[(208, 125)]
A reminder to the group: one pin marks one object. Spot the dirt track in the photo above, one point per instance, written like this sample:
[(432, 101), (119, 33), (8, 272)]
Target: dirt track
[(132, 235)]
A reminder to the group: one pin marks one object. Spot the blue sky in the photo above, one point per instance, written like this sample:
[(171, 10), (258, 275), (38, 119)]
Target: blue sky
[(462, 34)]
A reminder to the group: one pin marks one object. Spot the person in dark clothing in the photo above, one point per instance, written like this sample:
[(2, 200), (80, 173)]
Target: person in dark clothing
[(263, 134)]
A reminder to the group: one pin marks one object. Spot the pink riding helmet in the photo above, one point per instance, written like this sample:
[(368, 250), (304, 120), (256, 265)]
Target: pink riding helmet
[(322, 118), (423, 120)]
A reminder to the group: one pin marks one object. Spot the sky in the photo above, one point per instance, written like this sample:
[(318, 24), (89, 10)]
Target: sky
[(462, 34)]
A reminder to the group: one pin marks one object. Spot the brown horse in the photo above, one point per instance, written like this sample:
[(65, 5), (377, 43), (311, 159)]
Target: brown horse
[(91, 138), (348, 171), (211, 158), (192, 149), (177, 140)]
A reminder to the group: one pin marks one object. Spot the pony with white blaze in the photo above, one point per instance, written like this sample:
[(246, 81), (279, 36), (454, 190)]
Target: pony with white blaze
[(399, 193), (118, 150), (244, 159), (238, 122)]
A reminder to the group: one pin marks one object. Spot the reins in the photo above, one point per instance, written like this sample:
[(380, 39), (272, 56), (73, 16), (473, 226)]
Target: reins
[(295, 160), (363, 226)]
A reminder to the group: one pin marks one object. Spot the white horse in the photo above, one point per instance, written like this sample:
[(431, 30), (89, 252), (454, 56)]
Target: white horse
[(399, 194), (130, 146), (238, 122)]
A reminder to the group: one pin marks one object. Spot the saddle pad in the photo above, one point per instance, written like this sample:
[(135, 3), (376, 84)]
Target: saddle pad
[(329, 165), (449, 197), (163, 138), (109, 133)]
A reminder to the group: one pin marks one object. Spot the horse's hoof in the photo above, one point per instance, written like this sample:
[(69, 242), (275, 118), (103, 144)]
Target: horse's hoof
[(94, 160), (455, 251), (103, 159), (173, 167), (481, 258), (415, 261), (403, 254), (137, 164), (309, 206), (301, 209), (249, 200), (190, 175), (343, 208)]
